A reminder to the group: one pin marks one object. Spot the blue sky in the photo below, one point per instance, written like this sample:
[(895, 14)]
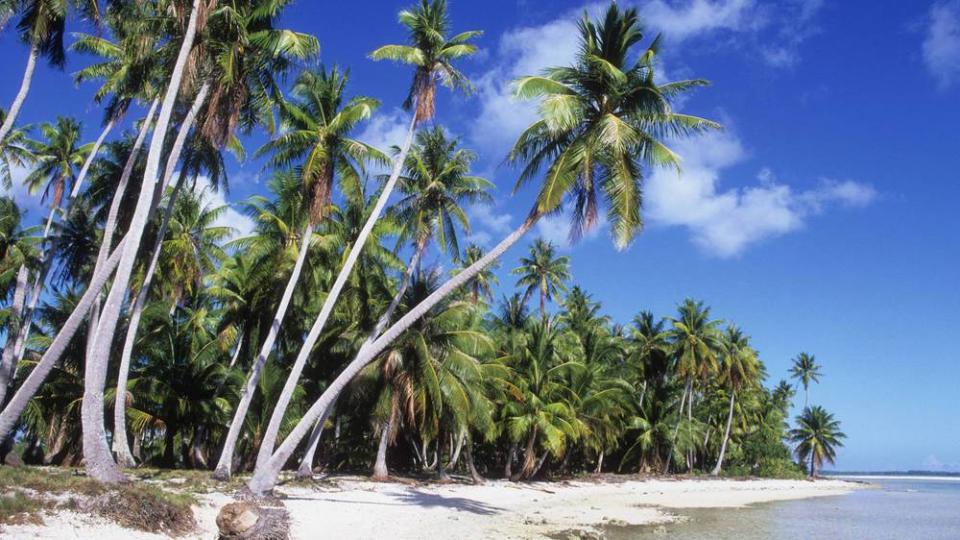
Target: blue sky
[(822, 219)]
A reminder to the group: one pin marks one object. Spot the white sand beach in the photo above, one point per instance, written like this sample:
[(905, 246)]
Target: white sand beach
[(351, 507)]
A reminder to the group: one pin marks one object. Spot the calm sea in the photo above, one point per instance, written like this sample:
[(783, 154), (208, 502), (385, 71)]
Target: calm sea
[(901, 508)]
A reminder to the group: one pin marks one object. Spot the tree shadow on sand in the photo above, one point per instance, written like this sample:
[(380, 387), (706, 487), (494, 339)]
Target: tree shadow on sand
[(430, 500)]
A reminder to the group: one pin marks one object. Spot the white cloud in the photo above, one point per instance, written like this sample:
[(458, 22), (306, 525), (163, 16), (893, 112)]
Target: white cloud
[(385, 130), (231, 217), (679, 21), (725, 222), (941, 45), (556, 229), (487, 224), (524, 51)]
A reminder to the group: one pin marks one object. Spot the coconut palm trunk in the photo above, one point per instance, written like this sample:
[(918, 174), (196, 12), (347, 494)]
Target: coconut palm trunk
[(726, 436), (121, 448), (13, 332), (280, 409), (85, 169), (380, 470), (99, 460), (11, 413), (468, 456), (22, 93), (676, 430), (306, 464), (225, 464), (265, 477)]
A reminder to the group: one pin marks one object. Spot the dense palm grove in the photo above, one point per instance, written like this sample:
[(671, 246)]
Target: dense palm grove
[(141, 332)]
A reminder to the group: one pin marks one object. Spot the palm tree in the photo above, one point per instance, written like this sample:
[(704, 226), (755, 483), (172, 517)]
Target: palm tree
[(57, 160), (17, 254), (739, 368), (99, 461), (543, 272), (805, 370), (696, 343), (42, 27), (817, 437), (482, 284), (435, 184), (318, 128), (432, 54), (600, 119), (14, 152)]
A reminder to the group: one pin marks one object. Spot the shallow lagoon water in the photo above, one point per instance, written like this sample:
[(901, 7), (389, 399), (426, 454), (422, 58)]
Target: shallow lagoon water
[(899, 508)]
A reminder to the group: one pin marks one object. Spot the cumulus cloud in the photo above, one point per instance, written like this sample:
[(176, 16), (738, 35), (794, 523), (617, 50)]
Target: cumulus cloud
[(488, 224), (681, 20), (523, 51), (941, 44), (724, 222)]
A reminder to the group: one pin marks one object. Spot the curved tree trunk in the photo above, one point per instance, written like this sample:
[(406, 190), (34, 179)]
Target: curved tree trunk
[(225, 464), (306, 464), (13, 331), (676, 430), (99, 460), (121, 448), (280, 409), (471, 466), (380, 470), (82, 175), (17, 104), (265, 477), (11, 413), (726, 436)]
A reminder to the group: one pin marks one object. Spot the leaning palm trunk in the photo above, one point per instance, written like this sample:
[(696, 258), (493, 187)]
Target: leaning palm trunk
[(11, 413), (265, 477), (225, 463), (120, 447), (13, 333), (21, 94), (726, 436), (99, 461), (82, 175), (280, 409), (468, 456), (380, 470), (676, 430), (306, 464)]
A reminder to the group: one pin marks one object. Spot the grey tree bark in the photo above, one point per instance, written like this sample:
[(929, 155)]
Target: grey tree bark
[(676, 430), (380, 470), (726, 436), (7, 364), (306, 464), (276, 419), (17, 104), (11, 413), (121, 448), (99, 460), (225, 464), (265, 476)]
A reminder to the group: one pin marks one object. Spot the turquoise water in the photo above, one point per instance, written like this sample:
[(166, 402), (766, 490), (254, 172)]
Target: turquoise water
[(901, 508)]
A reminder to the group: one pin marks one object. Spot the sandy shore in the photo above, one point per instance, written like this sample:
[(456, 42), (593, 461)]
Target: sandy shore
[(355, 508)]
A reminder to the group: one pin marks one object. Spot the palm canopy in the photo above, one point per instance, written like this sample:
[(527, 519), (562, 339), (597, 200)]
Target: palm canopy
[(42, 24), (15, 151), (57, 159), (130, 66), (805, 369), (435, 184), (601, 121), (739, 365), (542, 271), (817, 437), (431, 53), (247, 58), (315, 128), (696, 341), (481, 284)]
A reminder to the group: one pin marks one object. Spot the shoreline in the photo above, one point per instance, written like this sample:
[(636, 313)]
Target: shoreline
[(354, 507)]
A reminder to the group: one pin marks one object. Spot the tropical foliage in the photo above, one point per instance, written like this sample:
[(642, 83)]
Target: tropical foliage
[(409, 363)]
